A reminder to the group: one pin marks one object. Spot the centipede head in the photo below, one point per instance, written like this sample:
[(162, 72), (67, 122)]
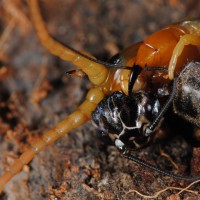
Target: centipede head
[(124, 118)]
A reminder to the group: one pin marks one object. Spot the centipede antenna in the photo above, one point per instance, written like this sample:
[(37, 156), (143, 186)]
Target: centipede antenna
[(152, 126), (155, 69), (111, 65), (158, 170), (107, 64)]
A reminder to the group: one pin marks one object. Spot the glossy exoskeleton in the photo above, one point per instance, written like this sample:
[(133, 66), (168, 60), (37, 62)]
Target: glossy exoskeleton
[(187, 98), (127, 118), (168, 49), (124, 117)]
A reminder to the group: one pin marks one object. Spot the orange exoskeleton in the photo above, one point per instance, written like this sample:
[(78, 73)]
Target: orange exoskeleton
[(171, 48)]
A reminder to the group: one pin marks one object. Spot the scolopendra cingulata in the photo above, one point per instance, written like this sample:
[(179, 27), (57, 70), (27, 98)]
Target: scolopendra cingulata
[(123, 84)]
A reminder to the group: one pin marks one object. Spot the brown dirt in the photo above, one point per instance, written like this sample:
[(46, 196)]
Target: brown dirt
[(35, 94)]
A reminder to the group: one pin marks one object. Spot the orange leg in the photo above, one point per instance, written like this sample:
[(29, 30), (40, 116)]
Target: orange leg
[(187, 39), (77, 118), (97, 76)]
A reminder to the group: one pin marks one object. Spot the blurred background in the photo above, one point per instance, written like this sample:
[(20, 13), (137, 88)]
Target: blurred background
[(36, 93)]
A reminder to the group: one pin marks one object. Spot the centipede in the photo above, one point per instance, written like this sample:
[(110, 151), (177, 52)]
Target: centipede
[(120, 102)]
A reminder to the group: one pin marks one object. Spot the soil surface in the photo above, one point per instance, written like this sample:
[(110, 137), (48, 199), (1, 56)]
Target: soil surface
[(36, 93)]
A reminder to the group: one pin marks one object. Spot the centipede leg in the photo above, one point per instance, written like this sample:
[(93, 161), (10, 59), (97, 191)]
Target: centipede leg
[(77, 118), (97, 73), (187, 39)]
